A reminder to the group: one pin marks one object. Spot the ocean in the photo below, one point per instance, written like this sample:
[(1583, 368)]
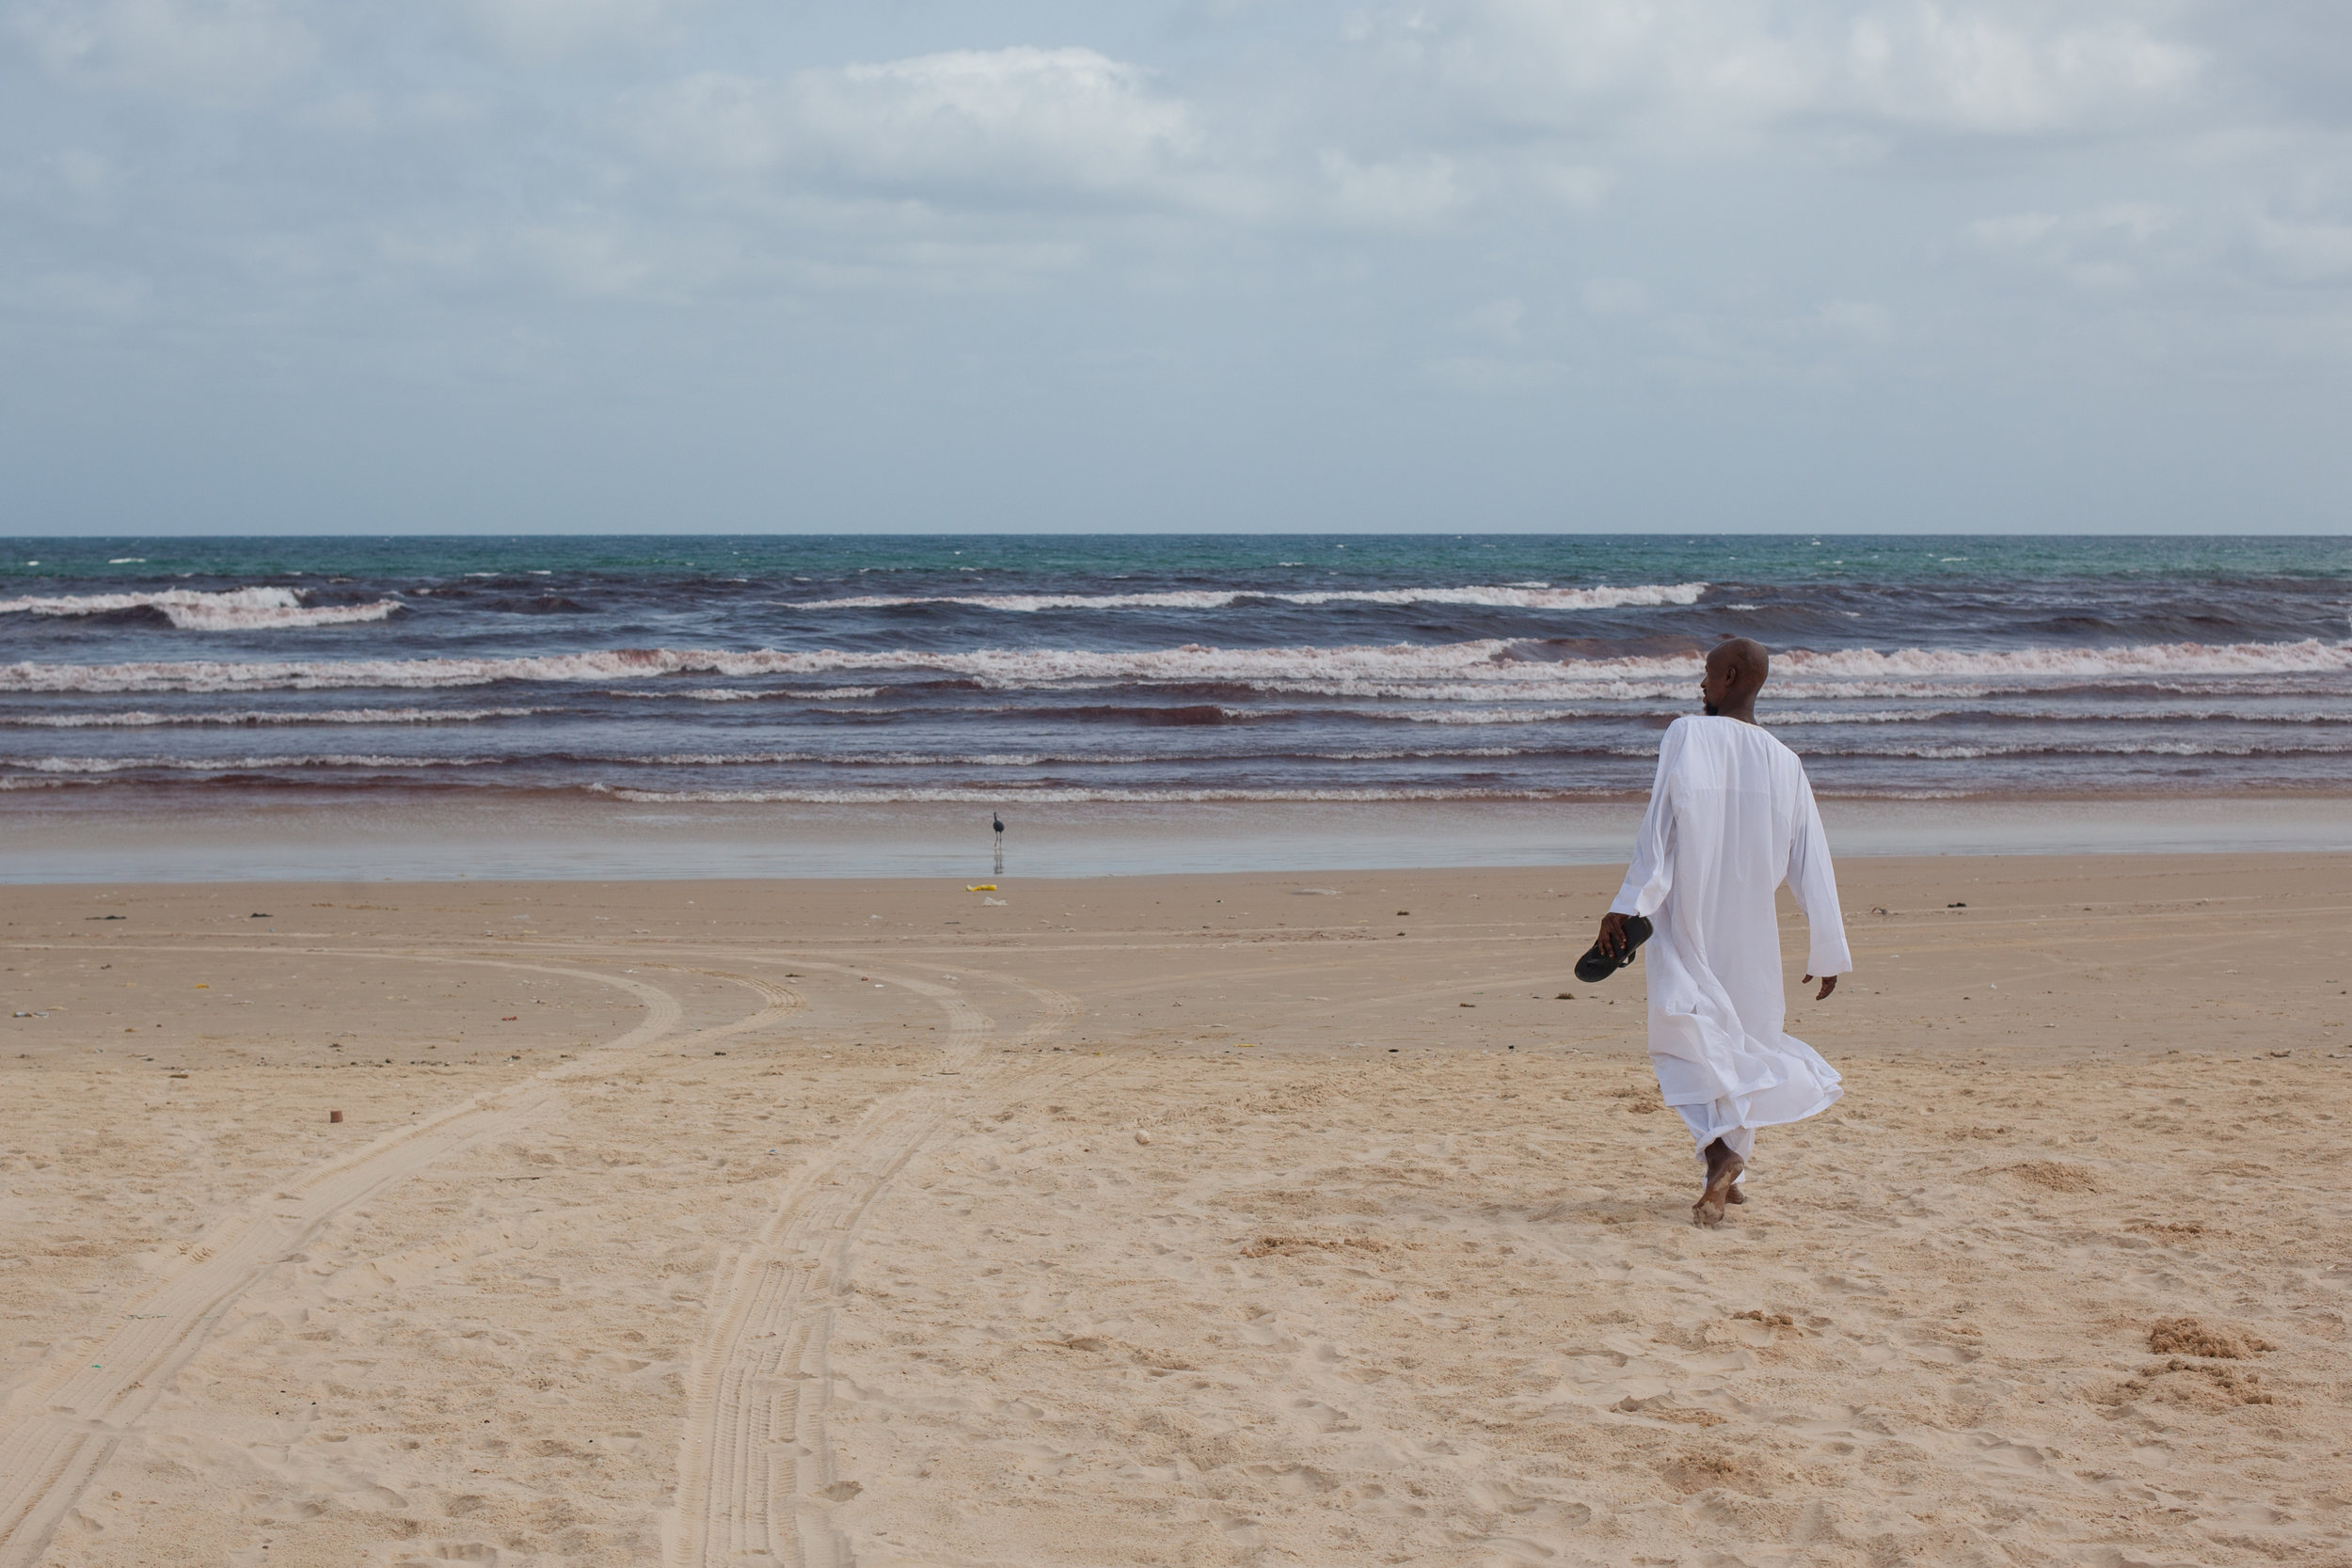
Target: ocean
[(1019, 673)]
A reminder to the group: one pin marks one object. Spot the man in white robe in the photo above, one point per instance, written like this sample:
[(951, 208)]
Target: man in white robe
[(1731, 818)]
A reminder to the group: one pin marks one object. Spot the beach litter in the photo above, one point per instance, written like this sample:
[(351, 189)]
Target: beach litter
[(982, 887)]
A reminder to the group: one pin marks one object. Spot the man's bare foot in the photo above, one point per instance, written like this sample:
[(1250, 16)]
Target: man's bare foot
[(1722, 1169)]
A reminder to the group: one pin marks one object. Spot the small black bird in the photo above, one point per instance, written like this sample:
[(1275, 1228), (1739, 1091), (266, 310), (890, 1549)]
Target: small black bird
[(996, 821)]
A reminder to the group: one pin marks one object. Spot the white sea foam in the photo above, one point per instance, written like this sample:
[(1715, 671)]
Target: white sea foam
[(238, 609), (1562, 715), (60, 764), (1061, 759), (1802, 716), (2137, 713), (1513, 596), (1426, 754), (1567, 715), (2309, 656), (1564, 684), (1513, 715), (751, 694), (1964, 751), (141, 720), (234, 765), (1486, 669), (881, 759)]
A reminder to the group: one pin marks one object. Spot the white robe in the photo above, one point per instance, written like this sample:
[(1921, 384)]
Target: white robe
[(1730, 819)]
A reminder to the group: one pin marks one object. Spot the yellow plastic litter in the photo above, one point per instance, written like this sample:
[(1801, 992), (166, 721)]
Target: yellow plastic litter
[(981, 887)]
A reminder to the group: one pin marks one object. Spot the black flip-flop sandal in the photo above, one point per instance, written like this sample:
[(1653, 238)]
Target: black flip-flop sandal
[(1597, 966)]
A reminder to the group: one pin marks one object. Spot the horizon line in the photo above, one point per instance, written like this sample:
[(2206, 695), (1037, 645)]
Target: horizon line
[(1189, 534)]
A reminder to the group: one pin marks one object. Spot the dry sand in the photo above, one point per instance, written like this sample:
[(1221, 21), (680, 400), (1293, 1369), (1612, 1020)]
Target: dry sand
[(1191, 1220)]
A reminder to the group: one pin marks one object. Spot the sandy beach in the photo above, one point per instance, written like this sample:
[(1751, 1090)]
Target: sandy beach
[(1313, 1219)]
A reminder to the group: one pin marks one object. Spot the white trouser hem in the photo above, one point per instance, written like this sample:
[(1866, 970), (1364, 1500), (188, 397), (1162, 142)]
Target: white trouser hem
[(1739, 1140)]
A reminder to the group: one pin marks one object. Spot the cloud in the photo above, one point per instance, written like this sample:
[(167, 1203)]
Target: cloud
[(91, 176), (1502, 322), (1686, 68), (362, 112), (1578, 185), (1486, 375), (106, 296), (968, 128), (1396, 193), (1859, 320), (1691, 75), (2101, 248), (214, 52), (1254, 218), (1966, 70), (1615, 296), (542, 31), (2306, 251)]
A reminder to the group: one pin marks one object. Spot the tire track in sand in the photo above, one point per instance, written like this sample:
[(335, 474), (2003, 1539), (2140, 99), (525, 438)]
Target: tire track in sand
[(756, 1485), (60, 1427)]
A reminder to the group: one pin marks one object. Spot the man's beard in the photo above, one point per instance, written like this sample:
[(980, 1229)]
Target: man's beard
[(1711, 710)]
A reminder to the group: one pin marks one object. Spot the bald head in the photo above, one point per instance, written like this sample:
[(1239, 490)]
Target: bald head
[(1736, 669)]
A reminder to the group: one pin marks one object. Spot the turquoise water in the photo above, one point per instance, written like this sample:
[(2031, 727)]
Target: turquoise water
[(1079, 559)]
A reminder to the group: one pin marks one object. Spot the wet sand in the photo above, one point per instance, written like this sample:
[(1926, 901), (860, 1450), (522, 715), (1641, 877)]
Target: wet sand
[(136, 834), (1201, 1219)]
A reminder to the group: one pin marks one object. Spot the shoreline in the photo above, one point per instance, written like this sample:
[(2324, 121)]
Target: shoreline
[(328, 838), (1881, 896)]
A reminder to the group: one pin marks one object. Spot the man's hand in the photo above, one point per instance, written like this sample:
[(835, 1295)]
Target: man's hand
[(1829, 983), (1614, 941)]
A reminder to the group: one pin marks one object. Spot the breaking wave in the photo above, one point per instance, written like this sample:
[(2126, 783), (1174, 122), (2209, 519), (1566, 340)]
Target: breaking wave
[(751, 694), (238, 609), (1968, 751), (143, 720), (1513, 596), (1487, 669), (1811, 718), (234, 765)]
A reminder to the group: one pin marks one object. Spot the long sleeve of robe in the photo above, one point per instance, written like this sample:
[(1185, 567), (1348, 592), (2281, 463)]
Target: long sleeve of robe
[(1731, 818)]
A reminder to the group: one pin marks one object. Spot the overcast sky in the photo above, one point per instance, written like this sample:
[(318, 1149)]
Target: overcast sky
[(448, 265)]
